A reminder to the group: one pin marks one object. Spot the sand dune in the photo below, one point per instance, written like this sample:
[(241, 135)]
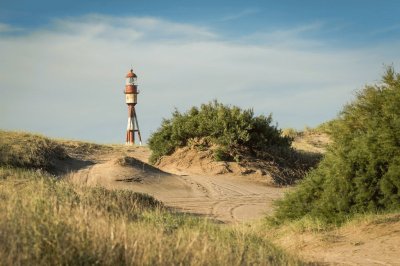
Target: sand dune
[(226, 198), (229, 198)]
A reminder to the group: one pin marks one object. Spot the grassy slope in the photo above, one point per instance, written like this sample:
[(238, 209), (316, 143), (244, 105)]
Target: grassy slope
[(45, 221), (361, 240), (21, 149), (49, 221), (311, 140)]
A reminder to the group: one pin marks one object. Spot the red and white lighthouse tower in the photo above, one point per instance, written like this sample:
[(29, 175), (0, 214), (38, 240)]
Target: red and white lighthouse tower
[(131, 93)]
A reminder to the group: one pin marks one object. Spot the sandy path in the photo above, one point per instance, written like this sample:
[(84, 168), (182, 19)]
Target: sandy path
[(223, 197)]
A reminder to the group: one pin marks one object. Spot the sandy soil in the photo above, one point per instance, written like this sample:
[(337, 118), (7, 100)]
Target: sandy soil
[(226, 198), (375, 242), (191, 161), (230, 199)]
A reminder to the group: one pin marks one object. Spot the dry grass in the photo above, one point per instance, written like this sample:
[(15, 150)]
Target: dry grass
[(48, 222), (29, 150), (359, 241), (81, 149), (311, 225), (310, 140)]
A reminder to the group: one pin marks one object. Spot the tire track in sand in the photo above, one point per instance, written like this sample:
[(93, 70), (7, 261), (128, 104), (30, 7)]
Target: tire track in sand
[(226, 199)]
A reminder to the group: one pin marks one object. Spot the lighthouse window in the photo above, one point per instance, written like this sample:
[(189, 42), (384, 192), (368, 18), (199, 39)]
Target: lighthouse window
[(129, 81)]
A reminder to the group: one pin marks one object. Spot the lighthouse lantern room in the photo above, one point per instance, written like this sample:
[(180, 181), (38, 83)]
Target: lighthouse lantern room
[(131, 93)]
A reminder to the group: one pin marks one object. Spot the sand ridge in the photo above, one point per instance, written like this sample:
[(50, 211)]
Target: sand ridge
[(226, 198)]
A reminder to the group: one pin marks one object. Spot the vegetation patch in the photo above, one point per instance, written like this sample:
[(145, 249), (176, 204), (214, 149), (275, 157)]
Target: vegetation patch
[(48, 222), (80, 149), (232, 129), (20, 149), (360, 172), (231, 134), (313, 141)]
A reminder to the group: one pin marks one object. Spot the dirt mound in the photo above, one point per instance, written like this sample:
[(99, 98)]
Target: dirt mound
[(275, 166), (189, 161), (120, 169)]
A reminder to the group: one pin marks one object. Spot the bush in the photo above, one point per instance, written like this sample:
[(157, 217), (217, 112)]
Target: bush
[(221, 154), (230, 128), (361, 170)]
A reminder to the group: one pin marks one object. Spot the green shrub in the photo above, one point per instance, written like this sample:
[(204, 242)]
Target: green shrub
[(232, 129), (221, 154), (361, 170)]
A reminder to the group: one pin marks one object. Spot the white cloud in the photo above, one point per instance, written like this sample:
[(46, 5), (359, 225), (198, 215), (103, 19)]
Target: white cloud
[(67, 80)]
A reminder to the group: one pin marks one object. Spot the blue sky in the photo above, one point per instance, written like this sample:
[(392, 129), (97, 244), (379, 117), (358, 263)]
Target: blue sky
[(63, 62), (354, 20)]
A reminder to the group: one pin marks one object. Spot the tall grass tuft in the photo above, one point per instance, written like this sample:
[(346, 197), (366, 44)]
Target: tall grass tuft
[(44, 221), (21, 149)]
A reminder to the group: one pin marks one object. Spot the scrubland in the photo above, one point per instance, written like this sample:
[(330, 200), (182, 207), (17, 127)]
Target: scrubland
[(343, 206), (46, 220)]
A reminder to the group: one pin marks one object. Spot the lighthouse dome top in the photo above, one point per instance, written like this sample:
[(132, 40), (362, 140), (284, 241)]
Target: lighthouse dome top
[(131, 74)]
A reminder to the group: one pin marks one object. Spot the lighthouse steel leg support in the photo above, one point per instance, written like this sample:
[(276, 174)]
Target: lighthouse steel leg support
[(137, 126), (130, 138), (131, 129)]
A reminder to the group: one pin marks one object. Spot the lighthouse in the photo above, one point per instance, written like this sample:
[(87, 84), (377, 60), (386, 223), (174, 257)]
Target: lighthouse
[(131, 93)]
